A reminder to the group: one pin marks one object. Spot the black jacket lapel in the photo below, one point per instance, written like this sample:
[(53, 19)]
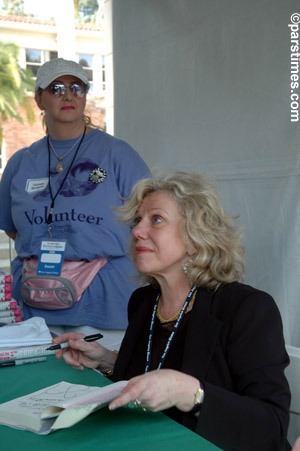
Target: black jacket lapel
[(202, 336)]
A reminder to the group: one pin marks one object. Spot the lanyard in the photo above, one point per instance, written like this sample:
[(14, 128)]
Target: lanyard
[(49, 219), (175, 328)]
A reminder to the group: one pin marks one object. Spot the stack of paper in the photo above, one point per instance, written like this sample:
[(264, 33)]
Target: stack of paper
[(25, 340)]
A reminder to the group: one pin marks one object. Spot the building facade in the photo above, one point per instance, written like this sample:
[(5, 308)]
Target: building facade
[(39, 41)]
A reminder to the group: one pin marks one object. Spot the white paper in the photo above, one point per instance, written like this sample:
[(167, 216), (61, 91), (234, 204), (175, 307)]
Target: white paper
[(33, 331)]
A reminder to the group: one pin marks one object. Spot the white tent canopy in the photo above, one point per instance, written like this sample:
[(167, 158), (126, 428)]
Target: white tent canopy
[(204, 86)]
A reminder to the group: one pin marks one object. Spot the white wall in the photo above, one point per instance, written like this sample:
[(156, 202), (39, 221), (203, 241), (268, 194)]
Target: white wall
[(204, 86)]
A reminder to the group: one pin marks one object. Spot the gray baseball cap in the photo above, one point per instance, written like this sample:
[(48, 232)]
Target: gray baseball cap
[(57, 67)]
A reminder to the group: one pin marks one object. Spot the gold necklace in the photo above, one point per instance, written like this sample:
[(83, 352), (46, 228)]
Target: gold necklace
[(174, 317), (59, 166)]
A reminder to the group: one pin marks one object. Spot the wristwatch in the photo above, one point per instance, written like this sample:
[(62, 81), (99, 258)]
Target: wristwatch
[(198, 399), (109, 373)]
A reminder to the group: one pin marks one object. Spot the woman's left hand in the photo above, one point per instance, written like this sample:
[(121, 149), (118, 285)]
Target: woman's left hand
[(159, 390)]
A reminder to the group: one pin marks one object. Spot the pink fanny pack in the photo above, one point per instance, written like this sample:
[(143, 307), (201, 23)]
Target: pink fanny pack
[(57, 292)]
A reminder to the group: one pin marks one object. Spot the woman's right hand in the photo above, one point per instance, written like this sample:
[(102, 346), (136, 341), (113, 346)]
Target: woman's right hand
[(82, 353)]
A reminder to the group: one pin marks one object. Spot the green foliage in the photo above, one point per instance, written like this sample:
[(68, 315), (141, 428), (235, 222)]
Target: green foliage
[(15, 7), (86, 10), (14, 84)]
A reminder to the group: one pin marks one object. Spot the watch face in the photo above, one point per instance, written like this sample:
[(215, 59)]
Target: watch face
[(199, 396), (198, 399)]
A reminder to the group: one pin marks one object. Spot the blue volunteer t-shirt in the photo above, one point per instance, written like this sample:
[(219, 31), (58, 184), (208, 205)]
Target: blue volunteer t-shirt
[(82, 216)]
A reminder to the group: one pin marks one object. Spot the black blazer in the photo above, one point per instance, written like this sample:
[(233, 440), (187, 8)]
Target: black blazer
[(234, 344)]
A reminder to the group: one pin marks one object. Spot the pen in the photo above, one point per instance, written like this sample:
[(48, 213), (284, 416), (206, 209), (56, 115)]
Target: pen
[(22, 361), (93, 337)]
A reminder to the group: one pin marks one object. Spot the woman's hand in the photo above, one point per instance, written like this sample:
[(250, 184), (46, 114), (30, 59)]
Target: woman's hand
[(82, 353), (160, 390)]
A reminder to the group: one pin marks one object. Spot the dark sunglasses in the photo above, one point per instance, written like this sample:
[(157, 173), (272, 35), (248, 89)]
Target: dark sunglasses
[(59, 89)]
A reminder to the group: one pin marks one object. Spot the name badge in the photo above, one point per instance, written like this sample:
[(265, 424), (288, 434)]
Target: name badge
[(51, 258), (36, 185)]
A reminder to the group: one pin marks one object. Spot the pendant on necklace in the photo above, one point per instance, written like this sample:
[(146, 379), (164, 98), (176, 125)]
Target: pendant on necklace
[(59, 166)]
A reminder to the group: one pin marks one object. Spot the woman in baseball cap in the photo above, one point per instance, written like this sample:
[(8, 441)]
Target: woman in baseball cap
[(53, 78), (61, 190)]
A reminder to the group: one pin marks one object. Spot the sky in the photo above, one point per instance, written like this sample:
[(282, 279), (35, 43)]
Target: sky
[(41, 8)]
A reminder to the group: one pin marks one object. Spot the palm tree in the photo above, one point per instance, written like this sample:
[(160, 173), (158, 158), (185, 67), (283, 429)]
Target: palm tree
[(15, 82)]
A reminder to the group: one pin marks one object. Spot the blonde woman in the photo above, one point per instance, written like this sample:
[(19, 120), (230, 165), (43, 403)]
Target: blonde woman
[(200, 345)]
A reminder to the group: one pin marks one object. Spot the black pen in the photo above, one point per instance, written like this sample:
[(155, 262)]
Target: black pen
[(21, 361), (93, 337)]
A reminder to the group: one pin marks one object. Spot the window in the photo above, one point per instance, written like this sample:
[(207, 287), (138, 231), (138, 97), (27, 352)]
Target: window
[(86, 61), (35, 58)]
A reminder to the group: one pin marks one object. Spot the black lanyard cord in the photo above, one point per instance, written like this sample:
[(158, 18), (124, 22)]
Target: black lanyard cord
[(175, 329), (49, 219)]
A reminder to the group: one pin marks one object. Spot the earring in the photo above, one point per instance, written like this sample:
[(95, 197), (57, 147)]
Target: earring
[(186, 266)]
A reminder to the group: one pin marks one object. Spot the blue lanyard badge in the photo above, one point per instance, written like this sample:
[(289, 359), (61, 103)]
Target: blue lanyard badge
[(51, 258)]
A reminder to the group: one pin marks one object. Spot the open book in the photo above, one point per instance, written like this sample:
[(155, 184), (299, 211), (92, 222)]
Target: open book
[(58, 406)]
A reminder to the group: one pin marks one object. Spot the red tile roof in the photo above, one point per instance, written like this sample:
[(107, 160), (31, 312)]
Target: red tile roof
[(46, 22)]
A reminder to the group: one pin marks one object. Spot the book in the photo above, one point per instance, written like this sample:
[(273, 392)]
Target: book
[(56, 407), (9, 305), (24, 352), (5, 277), (10, 320), (10, 312), (5, 296), (5, 288)]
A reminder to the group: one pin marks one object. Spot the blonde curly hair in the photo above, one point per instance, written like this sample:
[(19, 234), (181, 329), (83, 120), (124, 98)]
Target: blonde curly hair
[(219, 256)]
